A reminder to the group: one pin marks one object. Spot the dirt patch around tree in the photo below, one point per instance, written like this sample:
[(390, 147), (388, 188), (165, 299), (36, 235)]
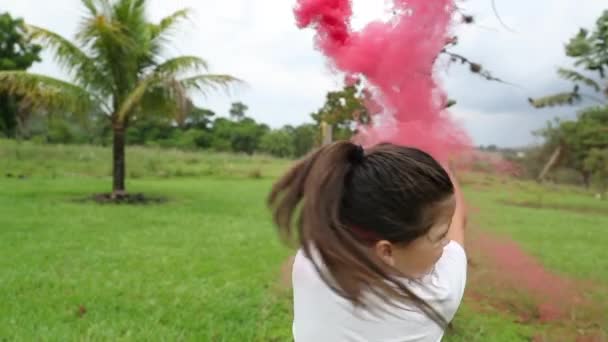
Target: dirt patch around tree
[(128, 199)]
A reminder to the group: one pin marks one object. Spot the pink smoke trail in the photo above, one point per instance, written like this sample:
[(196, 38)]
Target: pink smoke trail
[(396, 59)]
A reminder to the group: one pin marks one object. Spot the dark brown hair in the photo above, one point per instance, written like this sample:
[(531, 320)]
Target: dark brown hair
[(339, 195)]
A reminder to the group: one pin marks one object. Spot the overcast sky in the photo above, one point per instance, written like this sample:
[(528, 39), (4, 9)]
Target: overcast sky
[(256, 40)]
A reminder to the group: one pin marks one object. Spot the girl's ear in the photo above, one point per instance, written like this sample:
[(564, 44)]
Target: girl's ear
[(384, 250)]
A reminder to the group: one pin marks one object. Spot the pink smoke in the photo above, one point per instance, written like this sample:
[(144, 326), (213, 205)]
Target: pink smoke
[(396, 59)]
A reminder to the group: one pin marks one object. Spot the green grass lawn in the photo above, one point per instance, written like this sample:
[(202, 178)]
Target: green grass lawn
[(202, 267), (205, 265)]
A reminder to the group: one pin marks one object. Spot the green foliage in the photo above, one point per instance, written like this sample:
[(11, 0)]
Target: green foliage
[(199, 118), (17, 52), (64, 131), (596, 163), (579, 78), (304, 139), (279, 143), (148, 129), (590, 53), (189, 139), (239, 136), (587, 133), (289, 141), (47, 93), (197, 130), (343, 109), (589, 49), (193, 132)]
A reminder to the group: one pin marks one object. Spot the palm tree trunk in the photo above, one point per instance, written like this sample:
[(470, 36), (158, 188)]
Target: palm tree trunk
[(118, 160)]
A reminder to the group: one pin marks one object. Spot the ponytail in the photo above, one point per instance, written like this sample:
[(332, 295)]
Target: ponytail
[(308, 207)]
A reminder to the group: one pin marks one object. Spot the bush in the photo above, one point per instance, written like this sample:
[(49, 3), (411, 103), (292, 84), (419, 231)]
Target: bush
[(279, 143)]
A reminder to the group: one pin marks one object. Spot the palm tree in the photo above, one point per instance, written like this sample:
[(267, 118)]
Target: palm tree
[(117, 67)]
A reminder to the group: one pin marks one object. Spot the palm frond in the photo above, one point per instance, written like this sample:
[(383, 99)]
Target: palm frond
[(167, 87), (98, 7), (175, 91), (114, 50), (102, 30), (161, 33), (157, 101), (47, 92), (133, 99), (90, 6), (75, 61), (179, 100), (204, 83), (169, 22), (577, 77), (181, 65), (132, 16)]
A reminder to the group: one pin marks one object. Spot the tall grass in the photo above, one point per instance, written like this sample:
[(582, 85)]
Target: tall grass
[(27, 159)]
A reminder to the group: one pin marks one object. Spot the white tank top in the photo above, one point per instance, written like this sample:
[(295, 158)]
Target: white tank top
[(320, 315)]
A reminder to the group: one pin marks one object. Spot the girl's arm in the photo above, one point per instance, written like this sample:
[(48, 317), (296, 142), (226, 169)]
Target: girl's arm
[(459, 220)]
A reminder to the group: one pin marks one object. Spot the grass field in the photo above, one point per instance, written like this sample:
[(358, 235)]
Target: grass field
[(65, 161), (570, 239), (205, 265)]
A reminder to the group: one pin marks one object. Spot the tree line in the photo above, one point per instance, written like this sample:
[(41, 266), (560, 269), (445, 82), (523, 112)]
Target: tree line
[(200, 128)]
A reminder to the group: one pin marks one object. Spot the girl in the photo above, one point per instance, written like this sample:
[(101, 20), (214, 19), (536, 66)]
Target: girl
[(381, 236)]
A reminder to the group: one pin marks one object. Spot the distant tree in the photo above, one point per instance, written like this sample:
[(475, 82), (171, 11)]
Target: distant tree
[(17, 52), (238, 136), (574, 140), (596, 163), (279, 143), (149, 128), (304, 139), (247, 135), (238, 111), (342, 111), (199, 118)]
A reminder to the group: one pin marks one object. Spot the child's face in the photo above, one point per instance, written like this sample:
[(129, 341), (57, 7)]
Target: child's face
[(419, 257)]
